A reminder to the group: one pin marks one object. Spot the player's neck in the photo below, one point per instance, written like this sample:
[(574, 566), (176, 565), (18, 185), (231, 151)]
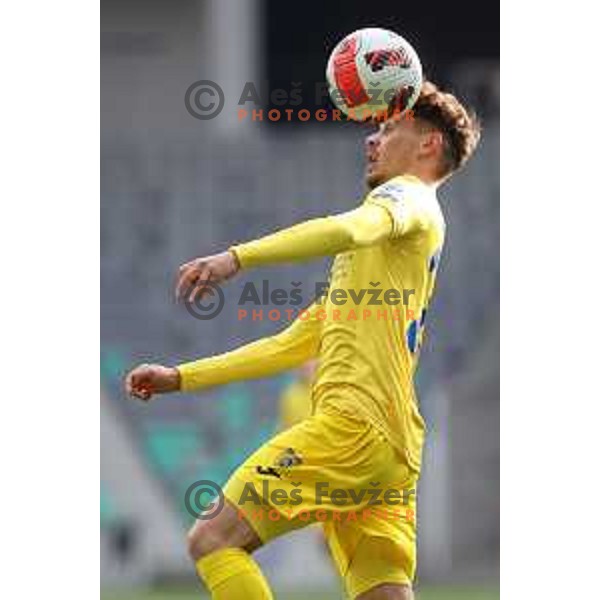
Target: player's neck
[(422, 177)]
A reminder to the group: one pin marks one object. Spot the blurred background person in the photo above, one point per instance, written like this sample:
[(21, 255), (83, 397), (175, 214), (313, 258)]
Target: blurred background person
[(294, 402)]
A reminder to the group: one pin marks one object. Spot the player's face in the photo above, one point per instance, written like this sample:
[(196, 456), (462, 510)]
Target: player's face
[(391, 150)]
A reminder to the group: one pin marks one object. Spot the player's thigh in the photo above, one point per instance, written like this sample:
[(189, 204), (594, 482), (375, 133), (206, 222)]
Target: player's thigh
[(277, 489), (376, 555), (266, 489)]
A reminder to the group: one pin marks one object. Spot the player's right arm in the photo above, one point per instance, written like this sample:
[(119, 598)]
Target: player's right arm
[(326, 236), (285, 350)]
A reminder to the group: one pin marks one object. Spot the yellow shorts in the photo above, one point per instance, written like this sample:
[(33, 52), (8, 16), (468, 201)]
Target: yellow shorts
[(341, 472)]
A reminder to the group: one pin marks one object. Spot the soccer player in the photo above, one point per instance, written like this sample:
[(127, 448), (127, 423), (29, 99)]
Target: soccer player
[(365, 433)]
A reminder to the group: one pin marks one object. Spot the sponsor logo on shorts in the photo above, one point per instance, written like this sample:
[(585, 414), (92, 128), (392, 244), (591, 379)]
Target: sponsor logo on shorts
[(283, 463)]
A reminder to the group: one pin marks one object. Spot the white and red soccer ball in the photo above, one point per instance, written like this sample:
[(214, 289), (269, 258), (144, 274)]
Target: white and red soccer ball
[(370, 69)]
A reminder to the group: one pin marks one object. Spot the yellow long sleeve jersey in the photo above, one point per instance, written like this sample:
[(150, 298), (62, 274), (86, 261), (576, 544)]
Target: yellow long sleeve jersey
[(368, 329)]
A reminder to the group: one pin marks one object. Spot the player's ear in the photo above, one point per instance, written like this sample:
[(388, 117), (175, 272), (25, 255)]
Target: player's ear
[(432, 143)]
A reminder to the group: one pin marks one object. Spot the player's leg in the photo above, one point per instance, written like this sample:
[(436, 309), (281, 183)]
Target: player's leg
[(220, 548), (227, 529), (372, 567), (375, 554), (272, 490), (388, 591)]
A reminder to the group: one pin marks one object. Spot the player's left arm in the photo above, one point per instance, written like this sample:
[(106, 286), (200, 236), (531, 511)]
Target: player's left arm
[(288, 349), (364, 226)]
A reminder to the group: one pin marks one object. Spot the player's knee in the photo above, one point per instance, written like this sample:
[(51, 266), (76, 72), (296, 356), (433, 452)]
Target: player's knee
[(202, 539)]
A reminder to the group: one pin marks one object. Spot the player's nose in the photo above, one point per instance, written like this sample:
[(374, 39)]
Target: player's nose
[(371, 142)]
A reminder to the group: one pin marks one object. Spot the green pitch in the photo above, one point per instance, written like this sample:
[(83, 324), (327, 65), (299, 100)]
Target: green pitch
[(426, 593)]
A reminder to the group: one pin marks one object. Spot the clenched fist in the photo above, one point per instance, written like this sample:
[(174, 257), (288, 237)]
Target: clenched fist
[(146, 380)]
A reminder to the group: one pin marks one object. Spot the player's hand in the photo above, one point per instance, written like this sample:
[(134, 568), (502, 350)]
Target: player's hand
[(195, 275), (146, 380)]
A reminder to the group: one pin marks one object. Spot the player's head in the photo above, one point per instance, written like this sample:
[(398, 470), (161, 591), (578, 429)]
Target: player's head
[(433, 143)]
